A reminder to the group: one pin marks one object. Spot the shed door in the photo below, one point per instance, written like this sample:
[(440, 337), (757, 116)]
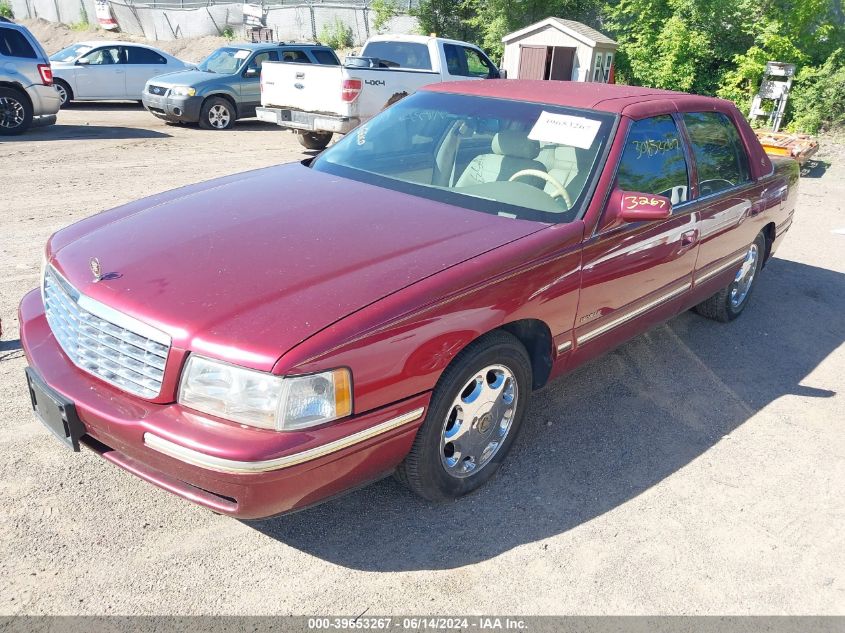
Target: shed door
[(532, 62), (562, 60)]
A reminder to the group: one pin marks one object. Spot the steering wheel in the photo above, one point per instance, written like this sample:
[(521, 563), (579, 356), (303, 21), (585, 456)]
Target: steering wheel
[(561, 192)]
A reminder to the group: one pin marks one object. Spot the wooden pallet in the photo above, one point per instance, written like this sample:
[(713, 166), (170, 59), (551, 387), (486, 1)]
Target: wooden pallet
[(801, 147)]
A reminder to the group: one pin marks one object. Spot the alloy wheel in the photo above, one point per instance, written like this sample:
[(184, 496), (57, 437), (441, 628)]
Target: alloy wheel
[(478, 421), (744, 277), (218, 116), (12, 113)]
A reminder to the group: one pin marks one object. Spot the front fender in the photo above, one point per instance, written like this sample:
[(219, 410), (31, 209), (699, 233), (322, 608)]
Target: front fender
[(399, 346)]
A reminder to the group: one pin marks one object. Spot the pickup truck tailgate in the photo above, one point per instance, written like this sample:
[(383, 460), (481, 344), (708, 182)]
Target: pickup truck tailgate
[(308, 87)]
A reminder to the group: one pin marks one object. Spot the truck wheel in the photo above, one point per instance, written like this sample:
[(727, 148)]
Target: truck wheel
[(730, 301), (64, 90), (217, 113), (15, 112), (314, 140), (474, 416)]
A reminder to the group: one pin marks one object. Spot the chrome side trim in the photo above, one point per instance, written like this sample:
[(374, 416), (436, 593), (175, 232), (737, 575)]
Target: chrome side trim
[(632, 314), (564, 346), (712, 273), (222, 465)]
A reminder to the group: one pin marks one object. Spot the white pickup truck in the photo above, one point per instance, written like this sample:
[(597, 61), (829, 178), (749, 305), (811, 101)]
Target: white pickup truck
[(318, 101)]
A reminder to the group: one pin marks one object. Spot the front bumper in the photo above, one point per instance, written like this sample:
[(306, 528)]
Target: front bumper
[(307, 121), (175, 109), (220, 465)]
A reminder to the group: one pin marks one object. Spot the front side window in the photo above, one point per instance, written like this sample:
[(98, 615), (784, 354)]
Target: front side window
[(462, 61), (653, 160), (399, 55), (508, 158), (138, 55), (14, 44), (259, 59), (102, 56), (718, 150)]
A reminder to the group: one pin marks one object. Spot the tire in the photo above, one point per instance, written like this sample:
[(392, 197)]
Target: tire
[(15, 112), (314, 140), (730, 301), (453, 455), (64, 90), (217, 113)]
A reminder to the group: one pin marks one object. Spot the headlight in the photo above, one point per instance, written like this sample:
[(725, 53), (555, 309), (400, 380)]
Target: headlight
[(183, 91), (263, 400)]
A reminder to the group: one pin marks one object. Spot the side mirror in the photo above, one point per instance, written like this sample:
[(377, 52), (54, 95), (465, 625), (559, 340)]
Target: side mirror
[(639, 207), (503, 74), (632, 206), (82, 62), (252, 72)]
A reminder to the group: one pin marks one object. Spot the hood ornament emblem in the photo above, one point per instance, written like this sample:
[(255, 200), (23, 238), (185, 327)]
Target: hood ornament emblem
[(96, 270)]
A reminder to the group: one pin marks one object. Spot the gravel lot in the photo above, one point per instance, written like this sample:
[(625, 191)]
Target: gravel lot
[(699, 469)]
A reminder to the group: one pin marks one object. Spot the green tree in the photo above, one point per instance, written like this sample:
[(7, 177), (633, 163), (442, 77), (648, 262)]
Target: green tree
[(383, 12)]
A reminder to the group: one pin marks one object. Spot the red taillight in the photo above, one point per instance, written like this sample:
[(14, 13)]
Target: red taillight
[(350, 90), (46, 74)]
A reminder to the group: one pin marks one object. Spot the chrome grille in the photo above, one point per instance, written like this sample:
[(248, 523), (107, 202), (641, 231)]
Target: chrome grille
[(108, 344), (157, 90)]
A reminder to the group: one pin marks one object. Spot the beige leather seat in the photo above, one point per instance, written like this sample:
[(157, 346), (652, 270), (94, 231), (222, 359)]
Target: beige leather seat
[(512, 152), (561, 163)]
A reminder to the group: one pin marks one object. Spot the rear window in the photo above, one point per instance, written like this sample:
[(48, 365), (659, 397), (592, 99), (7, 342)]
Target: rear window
[(399, 55), (326, 57), (14, 44)]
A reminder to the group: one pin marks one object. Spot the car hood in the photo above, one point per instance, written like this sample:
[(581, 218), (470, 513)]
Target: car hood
[(190, 77), (246, 268)]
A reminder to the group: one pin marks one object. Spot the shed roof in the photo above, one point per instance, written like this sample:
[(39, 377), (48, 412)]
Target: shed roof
[(579, 31)]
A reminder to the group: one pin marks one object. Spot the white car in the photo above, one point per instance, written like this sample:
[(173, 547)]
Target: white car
[(100, 70)]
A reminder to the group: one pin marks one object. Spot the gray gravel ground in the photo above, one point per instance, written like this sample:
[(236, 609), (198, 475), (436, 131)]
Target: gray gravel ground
[(699, 469)]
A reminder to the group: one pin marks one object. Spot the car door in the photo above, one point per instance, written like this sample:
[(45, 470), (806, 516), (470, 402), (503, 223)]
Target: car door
[(101, 74), (726, 193), (636, 274), (142, 64), (250, 83)]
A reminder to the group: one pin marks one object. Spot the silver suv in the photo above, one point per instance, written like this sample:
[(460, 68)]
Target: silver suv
[(26, 81)]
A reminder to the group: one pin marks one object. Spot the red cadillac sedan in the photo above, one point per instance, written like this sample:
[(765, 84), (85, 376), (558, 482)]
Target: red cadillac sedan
[(262, 342)]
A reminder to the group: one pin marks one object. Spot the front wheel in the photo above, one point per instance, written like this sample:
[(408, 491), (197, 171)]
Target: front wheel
[(730, 301), (217, 114), (475, 413), (15, 112), (314, 140)]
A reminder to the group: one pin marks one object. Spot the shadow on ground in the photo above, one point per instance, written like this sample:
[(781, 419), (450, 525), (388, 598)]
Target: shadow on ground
[(814, 169), (600, 436), (10, 349)]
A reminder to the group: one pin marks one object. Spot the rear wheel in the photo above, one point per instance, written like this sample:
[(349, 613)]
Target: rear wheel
[(64, 90), (730, 301), (217, 114), (314, 140), (15, 112), (475, 413)]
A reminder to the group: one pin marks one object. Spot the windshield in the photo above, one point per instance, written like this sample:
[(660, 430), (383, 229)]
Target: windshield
[(514, 159), (70, 53), (224, 61)]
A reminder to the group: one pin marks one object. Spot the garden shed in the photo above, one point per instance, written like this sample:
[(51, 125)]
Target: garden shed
[(559, 49)]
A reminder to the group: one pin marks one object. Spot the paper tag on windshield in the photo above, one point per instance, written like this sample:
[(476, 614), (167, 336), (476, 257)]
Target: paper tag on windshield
[(241, 54), (565, 129)]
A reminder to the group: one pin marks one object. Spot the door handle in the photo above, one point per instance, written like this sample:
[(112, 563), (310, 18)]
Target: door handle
[(688, 240)]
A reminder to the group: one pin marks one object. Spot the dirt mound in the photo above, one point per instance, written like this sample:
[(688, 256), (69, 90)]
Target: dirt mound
[(54, 37)]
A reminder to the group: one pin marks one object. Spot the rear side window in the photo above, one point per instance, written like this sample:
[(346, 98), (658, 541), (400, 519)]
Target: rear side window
[(399, 54), (295, 56), (325, 57), (718, 150), (137, 55), (14, 44), (653, 160)]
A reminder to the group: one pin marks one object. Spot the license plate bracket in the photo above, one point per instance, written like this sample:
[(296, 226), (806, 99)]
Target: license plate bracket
[(56, 412)]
